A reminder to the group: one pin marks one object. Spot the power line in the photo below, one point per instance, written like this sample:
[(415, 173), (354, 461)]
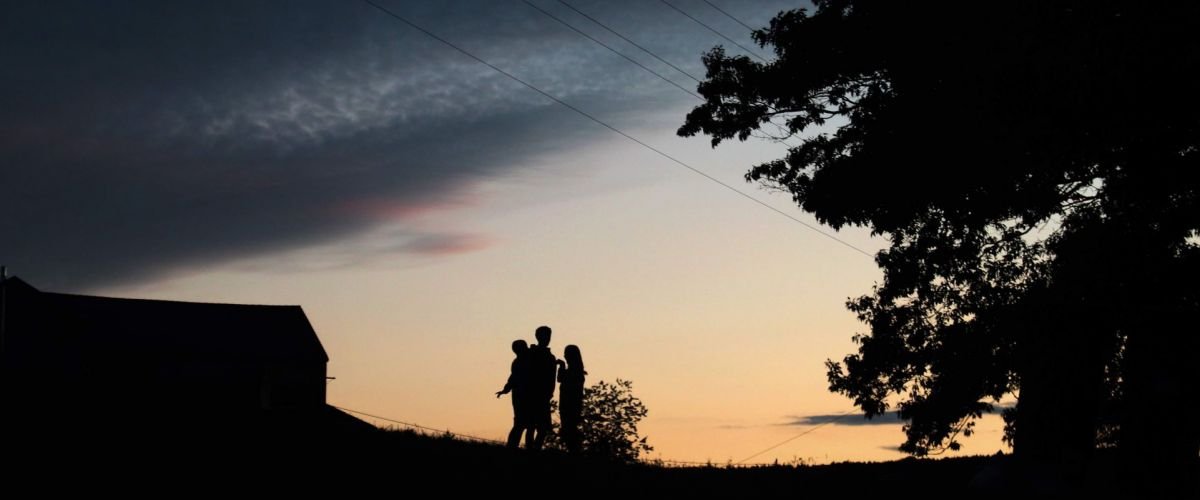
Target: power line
[(614, 51), (797, 436), (631, 42), (499, 442), (707, 464), (610, 127), (739, 21), (417, 426), (652, 54), (710, 28), (627, 58), (664, 61), (681, 462)]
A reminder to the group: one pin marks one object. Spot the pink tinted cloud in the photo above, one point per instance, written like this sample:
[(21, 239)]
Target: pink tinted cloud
[(439, 244), (385, 209)]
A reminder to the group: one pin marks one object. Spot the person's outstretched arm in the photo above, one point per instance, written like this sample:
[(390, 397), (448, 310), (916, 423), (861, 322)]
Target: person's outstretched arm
[(507, 385)]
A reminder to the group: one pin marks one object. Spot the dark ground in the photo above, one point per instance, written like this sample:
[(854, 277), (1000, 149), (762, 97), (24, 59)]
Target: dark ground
[(401, 463)]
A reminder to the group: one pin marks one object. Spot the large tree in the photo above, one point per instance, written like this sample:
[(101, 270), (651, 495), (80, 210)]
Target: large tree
[(1034, 166)]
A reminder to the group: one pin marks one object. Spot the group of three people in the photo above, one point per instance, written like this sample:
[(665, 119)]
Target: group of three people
[(531, 382)]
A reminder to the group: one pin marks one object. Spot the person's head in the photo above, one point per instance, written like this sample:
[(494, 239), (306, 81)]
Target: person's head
[(542, 335), (519, 347), (574, 359)]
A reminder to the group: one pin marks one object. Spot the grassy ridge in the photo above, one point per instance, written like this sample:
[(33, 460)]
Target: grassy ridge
[(396, 462)]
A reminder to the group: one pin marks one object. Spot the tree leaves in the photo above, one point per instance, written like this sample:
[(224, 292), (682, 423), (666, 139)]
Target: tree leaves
[(1005, 153), (609, 426)]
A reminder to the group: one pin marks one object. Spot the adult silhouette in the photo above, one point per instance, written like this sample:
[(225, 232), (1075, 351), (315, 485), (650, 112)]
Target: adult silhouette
[(518, 385), (543, 368), (570, 397)]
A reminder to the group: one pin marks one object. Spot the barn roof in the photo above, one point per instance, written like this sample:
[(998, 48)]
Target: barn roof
[(151, 327)]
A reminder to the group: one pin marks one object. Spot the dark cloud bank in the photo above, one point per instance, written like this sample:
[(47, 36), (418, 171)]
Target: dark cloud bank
[(142, 138)]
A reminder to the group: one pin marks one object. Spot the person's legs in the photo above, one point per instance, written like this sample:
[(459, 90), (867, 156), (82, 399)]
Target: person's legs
[(572, 438), (542, 423), (520, 423), (514, 435)]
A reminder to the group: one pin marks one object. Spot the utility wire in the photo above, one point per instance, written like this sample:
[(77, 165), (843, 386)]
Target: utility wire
[(614, 51), (707, 464), (652, 54), (710, 28), (610, 127), (639, 142), (422, 427), (736, 20), (668, 63), (631, 42), (499, 442), (797, 436)]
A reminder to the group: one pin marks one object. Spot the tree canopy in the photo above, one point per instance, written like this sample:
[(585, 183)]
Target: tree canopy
[(1033, 166)]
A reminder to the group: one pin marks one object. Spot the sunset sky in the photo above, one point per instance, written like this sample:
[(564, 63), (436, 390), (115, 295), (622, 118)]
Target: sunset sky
[(426, 210)]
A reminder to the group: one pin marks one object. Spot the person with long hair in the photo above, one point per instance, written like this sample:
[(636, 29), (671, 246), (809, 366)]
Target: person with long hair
[(570, 398)]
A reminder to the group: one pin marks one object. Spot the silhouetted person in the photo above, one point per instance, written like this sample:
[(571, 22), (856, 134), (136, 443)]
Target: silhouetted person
[(543, 372), (570, 397), (518, 385)]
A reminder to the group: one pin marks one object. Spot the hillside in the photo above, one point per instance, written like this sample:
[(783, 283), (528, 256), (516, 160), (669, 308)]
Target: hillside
[(403, 459)]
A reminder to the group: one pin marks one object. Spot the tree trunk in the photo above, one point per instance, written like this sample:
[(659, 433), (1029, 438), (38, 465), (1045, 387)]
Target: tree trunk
[(1159, 441), (1061, 365)]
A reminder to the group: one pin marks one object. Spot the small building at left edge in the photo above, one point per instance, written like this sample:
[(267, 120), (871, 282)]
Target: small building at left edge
[(143, 370)]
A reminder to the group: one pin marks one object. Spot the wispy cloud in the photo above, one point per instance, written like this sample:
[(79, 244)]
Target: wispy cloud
[(856, 418), (445, 244), (848, 419), (139, 138)]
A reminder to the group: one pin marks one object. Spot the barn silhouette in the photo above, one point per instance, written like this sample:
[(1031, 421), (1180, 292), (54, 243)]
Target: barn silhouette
[(147, 369)]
